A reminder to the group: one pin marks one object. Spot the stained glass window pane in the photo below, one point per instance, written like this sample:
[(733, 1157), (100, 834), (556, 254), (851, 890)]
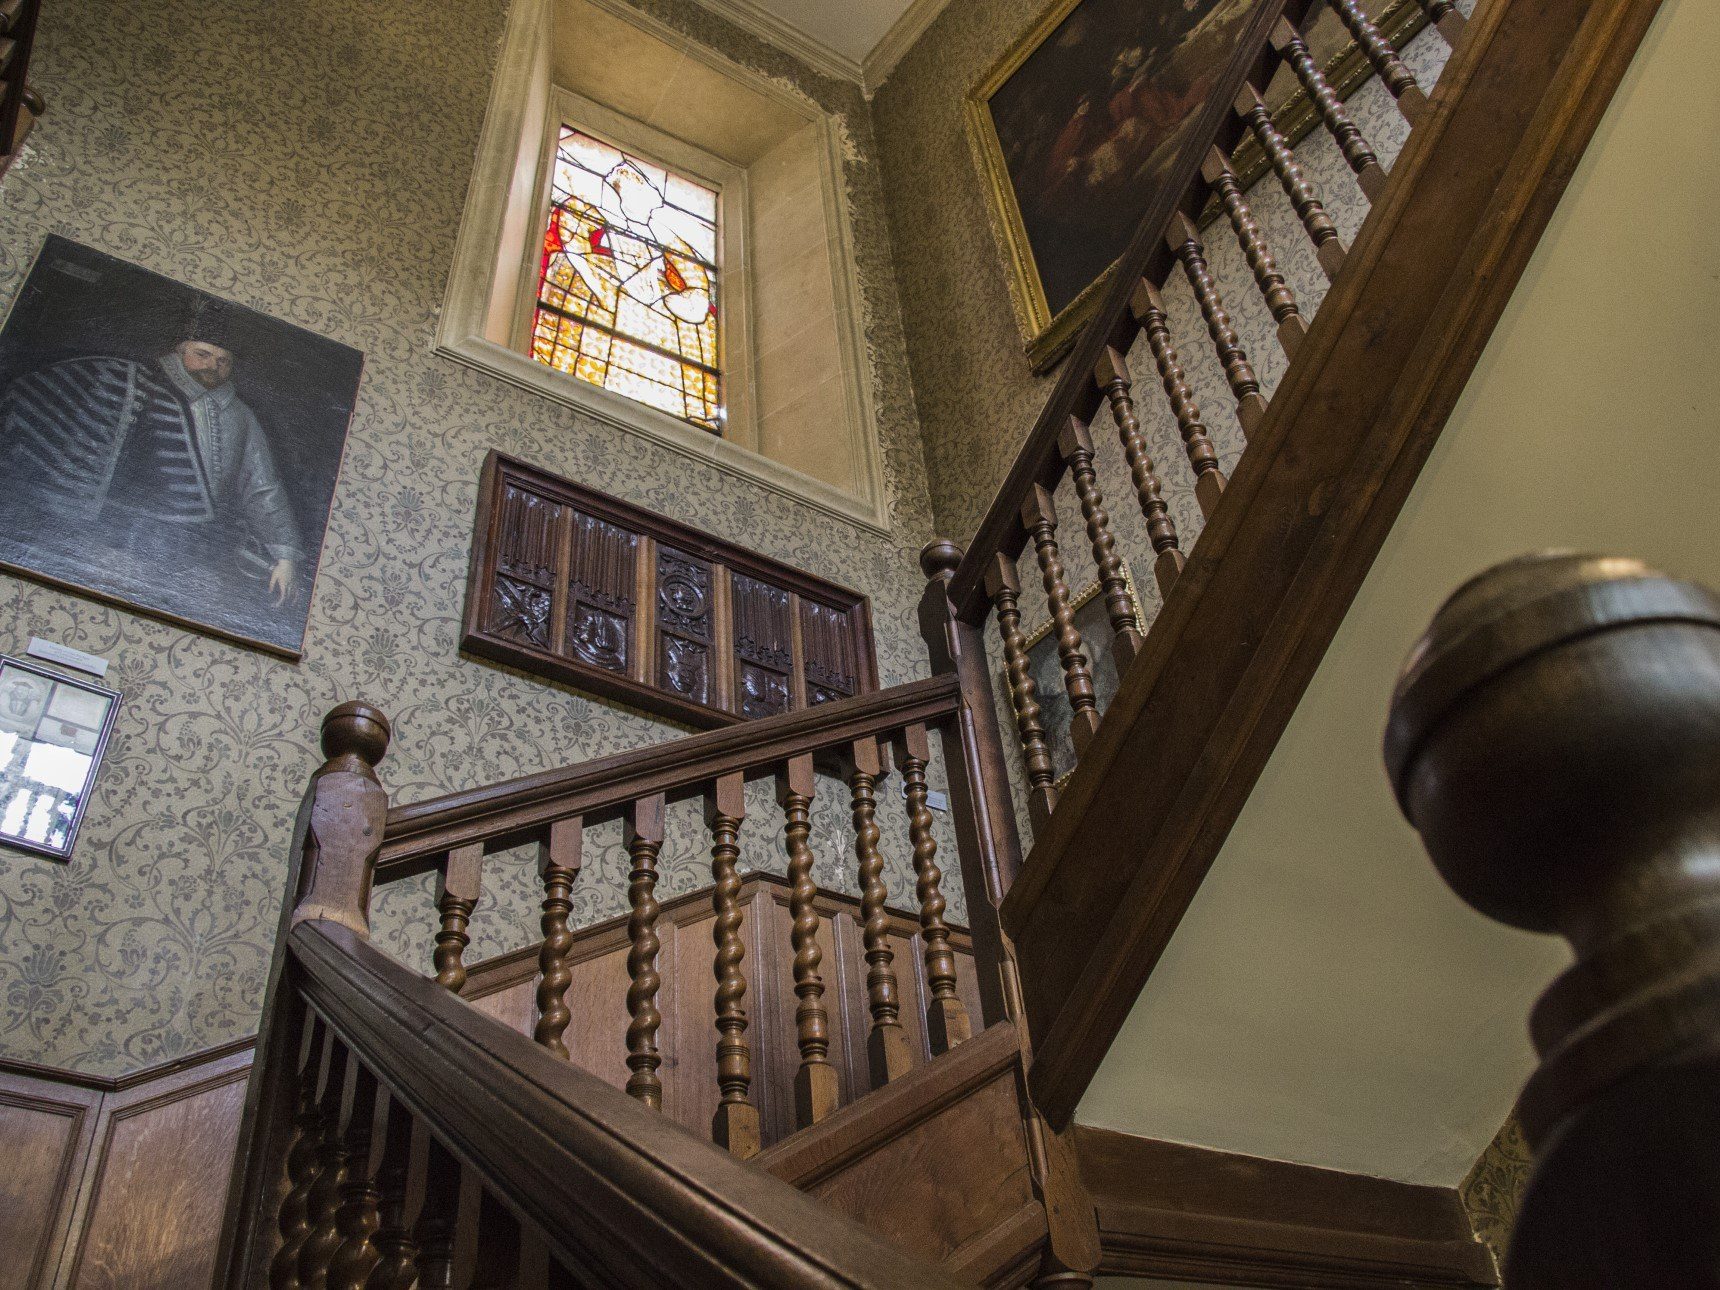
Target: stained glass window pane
[(627, 294)]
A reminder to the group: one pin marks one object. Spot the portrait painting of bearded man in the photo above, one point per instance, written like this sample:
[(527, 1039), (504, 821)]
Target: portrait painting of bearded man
[(1087, 118), (168, 450)]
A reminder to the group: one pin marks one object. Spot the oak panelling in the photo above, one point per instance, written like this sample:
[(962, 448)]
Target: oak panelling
[(503, 988), (1167, 1209), (161, 1181), (1235, 644), (46, 1127)]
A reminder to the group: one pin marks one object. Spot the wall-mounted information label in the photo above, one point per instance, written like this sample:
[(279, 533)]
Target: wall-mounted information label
[(66, 656)]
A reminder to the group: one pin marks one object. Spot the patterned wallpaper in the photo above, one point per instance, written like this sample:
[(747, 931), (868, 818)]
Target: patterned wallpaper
[(1493, 1192), (310, 158)]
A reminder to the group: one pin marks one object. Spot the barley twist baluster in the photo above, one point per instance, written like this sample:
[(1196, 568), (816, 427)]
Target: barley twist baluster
[(1003, 585), (736, 1125), (1039, 518), (815, 1085), (947, 1022), (462, 874), (1273, 289), (1149, 311), (358, 1217), (1111, 375), (1411, 99), (1076, 446), (644, 840), (304, 1165), (323, 1204), (1446, 16), (888, 1056), (1328, 249), (558, 866), (401, 1179), (1345, 133), (1184, 242)]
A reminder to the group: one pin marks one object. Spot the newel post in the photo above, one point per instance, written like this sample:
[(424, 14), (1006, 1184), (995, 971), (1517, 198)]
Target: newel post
[(1555, 739), (329, 871)]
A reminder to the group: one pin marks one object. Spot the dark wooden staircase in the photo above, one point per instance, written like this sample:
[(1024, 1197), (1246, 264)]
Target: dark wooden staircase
[(765, 1083)]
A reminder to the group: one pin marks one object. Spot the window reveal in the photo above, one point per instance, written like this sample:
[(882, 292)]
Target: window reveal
[(627, 291)]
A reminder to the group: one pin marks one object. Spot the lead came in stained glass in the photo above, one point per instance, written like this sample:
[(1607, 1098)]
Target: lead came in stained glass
[(627, 295)]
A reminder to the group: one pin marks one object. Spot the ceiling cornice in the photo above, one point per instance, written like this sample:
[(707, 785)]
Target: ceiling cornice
[(903, 33), (756, 20)]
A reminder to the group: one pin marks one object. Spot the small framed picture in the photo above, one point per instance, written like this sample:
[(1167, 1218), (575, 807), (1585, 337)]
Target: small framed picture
[(1098, 643), (53, 730)]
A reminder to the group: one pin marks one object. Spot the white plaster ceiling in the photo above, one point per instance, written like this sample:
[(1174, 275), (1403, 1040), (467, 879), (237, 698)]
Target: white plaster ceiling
[(852, 28), (1327, 1000)]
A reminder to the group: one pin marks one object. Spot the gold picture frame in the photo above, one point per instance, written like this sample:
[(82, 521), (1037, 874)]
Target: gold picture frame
[(1098, 641), (1048, 337)]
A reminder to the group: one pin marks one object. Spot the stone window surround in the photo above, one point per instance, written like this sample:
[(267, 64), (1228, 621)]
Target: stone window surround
[(486, 313)]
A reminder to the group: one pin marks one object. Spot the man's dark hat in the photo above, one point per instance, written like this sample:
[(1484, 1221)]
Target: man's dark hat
[(215, 322)]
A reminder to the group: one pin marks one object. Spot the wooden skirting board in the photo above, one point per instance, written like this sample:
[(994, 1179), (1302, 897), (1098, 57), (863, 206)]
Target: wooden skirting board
[(1189, 1213)]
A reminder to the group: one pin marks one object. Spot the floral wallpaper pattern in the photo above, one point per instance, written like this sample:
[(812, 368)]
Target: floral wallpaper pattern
[(310, 158), (1493, 1192)]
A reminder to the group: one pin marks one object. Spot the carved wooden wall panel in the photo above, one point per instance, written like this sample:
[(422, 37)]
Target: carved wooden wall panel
[(576, 585)]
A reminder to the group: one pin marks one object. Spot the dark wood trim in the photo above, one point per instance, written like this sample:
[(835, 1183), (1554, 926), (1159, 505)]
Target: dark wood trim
[(119, 1083), (637, 613), (610, 1187), (502, 815), (861, 1127), (1005, 1255), (1167, 1209), (1310, 504)]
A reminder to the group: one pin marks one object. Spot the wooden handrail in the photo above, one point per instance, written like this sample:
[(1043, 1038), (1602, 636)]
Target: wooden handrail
[(501, 815), (616, 1193)]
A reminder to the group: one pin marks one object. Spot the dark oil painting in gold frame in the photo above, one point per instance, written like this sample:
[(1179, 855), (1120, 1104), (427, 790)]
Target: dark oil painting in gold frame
[(1074, 128)]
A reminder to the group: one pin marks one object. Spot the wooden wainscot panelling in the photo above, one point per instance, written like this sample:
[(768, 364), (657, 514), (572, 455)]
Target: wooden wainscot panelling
[(1182, 1212), (504, 988), (938, 1161), (574, 584), (117, 1184)]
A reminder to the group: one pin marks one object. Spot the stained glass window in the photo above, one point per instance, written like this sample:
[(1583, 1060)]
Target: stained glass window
[(627, 294)]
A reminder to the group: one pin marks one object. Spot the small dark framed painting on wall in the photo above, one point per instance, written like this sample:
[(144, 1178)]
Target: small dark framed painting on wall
[(53, 731)]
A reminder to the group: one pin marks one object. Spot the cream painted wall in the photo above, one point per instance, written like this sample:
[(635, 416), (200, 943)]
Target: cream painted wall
[(1327, 1000)]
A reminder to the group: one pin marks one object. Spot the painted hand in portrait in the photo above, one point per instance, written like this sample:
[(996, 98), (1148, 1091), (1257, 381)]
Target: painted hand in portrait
[(168, 450)]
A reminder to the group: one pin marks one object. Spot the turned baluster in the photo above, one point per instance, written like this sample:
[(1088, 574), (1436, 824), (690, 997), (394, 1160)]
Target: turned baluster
[(304, 1163), (1111, 375), (1039, 518), (1445, 16), (887, 1049), (1328, 249), (558, 867), (815, 1087), (358, 1217), (736, 1125), (1345, 133), (1555, 740), (1003, 585), (947, 1021), (456, 898), (1280, 300), (400, 1177), (322, 1206), (1411, 99), (1076, 446), (644, 835), (1184, 242), (1149, 311)]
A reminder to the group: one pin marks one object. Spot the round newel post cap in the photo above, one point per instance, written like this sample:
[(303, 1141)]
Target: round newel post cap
[(356, 729), (1558, 713), (940, 558)]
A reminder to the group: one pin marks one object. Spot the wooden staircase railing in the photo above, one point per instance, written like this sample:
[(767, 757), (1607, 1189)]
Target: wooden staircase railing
[(1247, 612), (354, 1119)]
